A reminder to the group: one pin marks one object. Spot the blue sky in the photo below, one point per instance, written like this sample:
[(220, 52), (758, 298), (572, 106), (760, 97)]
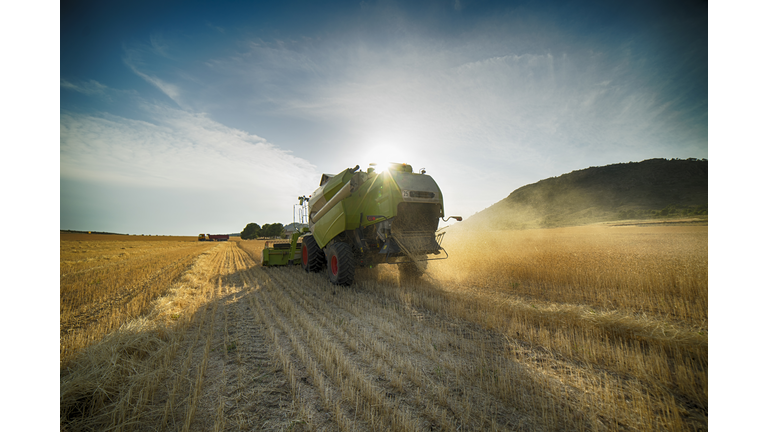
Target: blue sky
[(180, 118)]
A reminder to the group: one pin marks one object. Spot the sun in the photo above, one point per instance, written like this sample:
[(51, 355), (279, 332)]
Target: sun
[(384, 156)]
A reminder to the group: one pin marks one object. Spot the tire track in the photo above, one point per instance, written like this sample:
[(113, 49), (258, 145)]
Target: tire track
[(440, 407), (378, 398), (386, 337), (255, 395), (231, 381), (319, 403)]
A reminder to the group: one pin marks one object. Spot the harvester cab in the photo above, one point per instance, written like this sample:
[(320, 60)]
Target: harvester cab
[(377, 216)]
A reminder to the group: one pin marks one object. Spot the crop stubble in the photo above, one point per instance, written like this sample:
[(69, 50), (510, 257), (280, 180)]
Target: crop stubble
[(107, 280), (276, 349)]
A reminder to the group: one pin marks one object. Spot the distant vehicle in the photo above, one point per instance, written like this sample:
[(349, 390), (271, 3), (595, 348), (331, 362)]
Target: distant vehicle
[(213, 237)]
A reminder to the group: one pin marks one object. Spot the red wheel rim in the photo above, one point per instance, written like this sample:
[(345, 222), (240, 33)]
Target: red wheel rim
[(304, 255), (334, 265)]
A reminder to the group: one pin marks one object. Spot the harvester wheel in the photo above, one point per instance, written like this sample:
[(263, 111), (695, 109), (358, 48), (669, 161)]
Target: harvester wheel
[(341, 264), (412, 271), (312, 258)]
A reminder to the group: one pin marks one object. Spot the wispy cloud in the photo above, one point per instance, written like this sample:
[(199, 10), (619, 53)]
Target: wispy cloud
[(134, 58), (511, 102), (159, 45), (89, 88), (182, 151), (513, 87), (214, 27)]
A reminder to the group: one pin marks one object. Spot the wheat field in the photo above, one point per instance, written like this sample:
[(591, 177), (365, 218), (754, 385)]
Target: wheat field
[(589, 328), (107, 280)]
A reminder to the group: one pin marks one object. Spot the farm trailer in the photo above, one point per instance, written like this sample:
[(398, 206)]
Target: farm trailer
[(213, 237)]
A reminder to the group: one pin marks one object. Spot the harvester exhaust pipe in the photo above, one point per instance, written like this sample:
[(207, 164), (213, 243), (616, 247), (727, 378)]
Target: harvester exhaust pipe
[(340, 195)]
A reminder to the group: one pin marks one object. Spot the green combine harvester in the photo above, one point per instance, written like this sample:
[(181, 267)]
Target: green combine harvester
[(365, 218)]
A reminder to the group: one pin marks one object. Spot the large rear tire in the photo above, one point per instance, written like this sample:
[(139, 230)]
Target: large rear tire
[(341, 264), (312, 259)]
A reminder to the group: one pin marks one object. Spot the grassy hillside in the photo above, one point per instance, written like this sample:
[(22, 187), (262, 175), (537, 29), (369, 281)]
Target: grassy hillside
[(651, 189)]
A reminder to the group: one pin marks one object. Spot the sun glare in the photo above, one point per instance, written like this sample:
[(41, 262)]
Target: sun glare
[(385, 156), (379, 166)]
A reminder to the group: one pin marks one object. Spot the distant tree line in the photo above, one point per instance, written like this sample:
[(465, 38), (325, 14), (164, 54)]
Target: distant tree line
[(253, 231), (670, 210)]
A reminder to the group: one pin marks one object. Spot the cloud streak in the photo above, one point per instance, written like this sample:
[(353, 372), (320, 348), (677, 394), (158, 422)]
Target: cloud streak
[(180, 150), (90, 88), (535, 98), (182, 153), (134, 58)]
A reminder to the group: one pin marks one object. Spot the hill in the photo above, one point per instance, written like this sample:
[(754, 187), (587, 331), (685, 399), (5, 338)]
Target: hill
[(654, 188)]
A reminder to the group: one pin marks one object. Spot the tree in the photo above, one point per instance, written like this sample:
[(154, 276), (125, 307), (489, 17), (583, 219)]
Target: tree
[(251, 231), (272, 230)]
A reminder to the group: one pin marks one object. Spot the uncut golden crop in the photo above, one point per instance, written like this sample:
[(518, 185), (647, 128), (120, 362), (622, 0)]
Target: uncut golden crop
[(106, 280), (626, 300), (657, 270)]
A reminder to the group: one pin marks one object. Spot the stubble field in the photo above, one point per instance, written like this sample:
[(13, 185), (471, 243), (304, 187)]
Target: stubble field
[(589, 328), (106, 280)]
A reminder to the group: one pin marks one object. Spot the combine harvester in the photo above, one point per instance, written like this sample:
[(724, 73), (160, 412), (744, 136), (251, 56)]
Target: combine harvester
[(282, 252), (365, 218), (287, 252)]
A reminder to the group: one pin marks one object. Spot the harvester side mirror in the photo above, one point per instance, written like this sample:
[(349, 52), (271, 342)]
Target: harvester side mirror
[(458, 218)]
